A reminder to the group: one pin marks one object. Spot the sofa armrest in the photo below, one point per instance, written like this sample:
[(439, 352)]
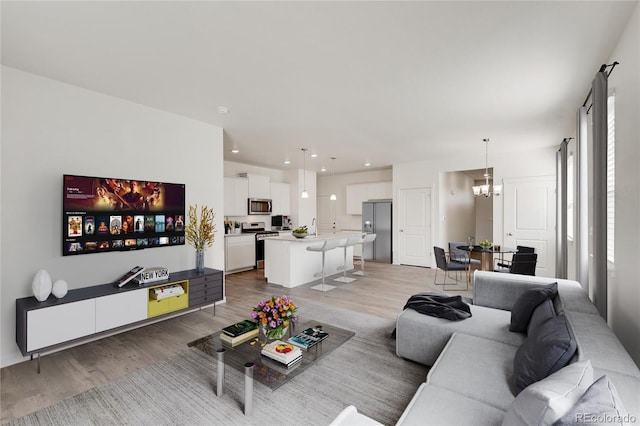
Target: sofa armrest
[(350, 417), (500, 291)]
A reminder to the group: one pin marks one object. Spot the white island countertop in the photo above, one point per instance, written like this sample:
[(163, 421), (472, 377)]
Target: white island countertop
[(287, 261), (320, 238)]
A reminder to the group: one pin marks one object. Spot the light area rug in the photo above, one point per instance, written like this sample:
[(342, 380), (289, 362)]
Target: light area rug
[(364, 372)]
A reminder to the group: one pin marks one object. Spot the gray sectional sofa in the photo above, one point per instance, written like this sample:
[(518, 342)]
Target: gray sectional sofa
[(472, 361)]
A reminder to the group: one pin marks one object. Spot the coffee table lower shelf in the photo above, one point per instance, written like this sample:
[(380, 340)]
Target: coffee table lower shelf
[(246, 358)]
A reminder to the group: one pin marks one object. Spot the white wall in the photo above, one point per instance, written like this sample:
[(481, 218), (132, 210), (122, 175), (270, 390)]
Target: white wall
[(338, 184), (624, 283), (539, 162), (50, 128), (457, 205), (484, 219)]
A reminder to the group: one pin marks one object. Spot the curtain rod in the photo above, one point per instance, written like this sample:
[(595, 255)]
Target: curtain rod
[(603, 67), (565, 141)]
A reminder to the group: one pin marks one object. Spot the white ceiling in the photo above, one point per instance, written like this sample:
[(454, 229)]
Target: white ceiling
[(384, 82)]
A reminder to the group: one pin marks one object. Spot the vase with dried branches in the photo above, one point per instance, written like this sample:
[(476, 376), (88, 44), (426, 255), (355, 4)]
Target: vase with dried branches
[(200, 232)]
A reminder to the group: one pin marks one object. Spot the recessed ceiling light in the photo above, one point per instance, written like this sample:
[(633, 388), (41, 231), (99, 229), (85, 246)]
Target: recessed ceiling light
[(314, 155), (324, 169), (367, 164), (223, 110), (235, 150), (287, 162)]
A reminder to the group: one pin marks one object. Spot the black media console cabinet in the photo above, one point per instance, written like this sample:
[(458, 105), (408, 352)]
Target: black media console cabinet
[(87, 313)]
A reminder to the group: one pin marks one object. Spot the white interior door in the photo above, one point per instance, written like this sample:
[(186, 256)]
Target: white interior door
[(414, 226), (529, 218)]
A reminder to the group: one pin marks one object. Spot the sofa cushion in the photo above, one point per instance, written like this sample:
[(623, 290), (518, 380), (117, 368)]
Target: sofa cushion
[(628, 388), (598, 343), (525, 304), (421, 338), (541, 313), (437, 406), (477, 368), (546, 350), (544, 402), (600, 404)]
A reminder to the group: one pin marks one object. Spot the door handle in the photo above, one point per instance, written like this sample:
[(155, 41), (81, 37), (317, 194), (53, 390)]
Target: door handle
[(509, 234), (402, 230)]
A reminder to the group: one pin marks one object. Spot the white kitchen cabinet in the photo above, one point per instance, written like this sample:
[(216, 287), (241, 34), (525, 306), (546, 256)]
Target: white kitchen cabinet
[(358, 193), (121, 309), (240, 252), (236, 194), (281, 198), (46, 327), (259, 186)]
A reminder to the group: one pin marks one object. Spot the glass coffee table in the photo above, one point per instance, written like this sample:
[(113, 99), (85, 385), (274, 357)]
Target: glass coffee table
[(246, 358)]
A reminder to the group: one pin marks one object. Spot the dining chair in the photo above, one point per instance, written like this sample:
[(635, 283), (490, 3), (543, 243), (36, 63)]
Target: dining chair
[(462, 256), (522, 264), (445, 264), (506, 264)]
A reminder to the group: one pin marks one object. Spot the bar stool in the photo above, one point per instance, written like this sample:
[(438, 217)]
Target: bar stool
[(346, 243), (324, 248), (366, 239)]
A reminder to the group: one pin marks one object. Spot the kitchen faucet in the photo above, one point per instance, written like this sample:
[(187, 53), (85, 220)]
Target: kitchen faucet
[(313, 224)]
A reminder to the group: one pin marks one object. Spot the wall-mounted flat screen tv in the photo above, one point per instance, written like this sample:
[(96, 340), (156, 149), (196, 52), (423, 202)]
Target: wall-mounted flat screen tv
[(109, 214)]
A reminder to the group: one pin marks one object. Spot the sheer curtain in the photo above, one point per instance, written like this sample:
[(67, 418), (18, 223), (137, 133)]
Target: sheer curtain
[(598, 283)]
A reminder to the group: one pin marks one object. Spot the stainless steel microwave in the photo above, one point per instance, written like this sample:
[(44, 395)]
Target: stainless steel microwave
[(259, 206)]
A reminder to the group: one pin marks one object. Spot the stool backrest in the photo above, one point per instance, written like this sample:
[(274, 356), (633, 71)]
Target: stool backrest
[(352, 241), (368, 238), (331, 244)]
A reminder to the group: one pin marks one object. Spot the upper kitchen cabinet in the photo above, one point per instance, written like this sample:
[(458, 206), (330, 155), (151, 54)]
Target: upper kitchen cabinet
[(236, 194), (281, 198), (358, 193), (259, 186)]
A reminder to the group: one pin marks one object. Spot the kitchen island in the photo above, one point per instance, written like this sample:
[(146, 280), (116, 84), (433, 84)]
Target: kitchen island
[(288, 263)]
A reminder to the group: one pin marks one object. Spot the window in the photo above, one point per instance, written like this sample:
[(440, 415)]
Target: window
[(611, 177)]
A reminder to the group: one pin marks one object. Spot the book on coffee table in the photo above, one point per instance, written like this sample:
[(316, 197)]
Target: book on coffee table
[(308, 338), (279, 367), (234, 341), (240, 328), (282, 352)]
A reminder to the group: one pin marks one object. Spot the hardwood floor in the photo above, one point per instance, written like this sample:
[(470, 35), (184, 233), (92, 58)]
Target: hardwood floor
[(69, 372)]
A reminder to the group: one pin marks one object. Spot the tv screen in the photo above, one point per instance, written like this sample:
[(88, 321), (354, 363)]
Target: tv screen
[(109, 214)]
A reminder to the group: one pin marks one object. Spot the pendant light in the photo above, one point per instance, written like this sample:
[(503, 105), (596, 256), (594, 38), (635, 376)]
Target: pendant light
[(304, 194), (333, 179), (485, 190)]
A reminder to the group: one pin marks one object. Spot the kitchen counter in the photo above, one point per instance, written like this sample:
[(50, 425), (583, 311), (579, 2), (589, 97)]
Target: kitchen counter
[(318, 239), (236, 235), (288, 263)]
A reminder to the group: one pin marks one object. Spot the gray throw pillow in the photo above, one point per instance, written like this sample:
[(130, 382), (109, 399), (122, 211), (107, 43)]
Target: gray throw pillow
[(546, 350), (544, 402), (542, 313), (525, 304), (599, 405)]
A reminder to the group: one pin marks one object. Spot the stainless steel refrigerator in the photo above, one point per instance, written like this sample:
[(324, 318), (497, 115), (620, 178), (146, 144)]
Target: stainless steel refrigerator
[(376, 219)]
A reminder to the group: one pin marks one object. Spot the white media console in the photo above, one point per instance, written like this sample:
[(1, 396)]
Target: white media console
[(89, 312)]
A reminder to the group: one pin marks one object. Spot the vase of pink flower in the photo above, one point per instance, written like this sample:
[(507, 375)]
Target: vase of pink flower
[(274, 316)]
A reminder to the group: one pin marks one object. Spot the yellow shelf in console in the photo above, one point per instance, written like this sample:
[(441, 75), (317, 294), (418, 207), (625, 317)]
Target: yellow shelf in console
[(169, 304)]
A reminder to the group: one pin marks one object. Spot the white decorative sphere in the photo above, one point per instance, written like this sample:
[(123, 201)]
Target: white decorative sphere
[(60, 289), (41, 285)]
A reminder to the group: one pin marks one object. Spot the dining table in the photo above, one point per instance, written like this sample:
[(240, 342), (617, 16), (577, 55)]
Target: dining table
[(486, 254)]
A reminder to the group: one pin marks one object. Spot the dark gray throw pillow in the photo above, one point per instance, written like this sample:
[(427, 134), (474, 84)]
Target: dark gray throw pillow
[(543, 312), (525, 304), (546, 350), (599, 405)]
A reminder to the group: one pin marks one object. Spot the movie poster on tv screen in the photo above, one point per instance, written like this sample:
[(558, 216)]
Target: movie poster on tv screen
[(105, 214)]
